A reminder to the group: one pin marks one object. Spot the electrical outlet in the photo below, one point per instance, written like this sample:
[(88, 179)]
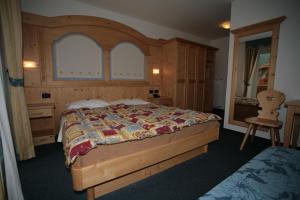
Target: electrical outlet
[(46, 95), (150, 91), (156, 91)]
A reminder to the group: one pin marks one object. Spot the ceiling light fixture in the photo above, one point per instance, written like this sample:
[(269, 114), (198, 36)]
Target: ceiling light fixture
[(226, 25)]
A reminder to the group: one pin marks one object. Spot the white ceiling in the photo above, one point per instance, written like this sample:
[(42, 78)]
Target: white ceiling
[(198, 17)]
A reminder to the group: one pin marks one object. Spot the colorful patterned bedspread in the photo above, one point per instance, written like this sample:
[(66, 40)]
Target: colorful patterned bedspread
[(84, 128), (273, 174)]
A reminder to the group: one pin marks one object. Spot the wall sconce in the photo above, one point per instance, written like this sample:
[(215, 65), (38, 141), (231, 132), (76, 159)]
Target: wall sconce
[(155, 71), (155, 83), (29, 64)]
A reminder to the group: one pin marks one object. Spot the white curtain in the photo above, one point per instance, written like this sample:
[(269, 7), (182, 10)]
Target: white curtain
[(12, 180)]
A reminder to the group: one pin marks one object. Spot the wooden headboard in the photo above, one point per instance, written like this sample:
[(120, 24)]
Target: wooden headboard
[(39, 34)]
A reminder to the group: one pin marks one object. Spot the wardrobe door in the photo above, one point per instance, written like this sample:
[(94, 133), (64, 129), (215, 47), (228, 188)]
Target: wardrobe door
[(181, 77), (191, 77), (200, 78)]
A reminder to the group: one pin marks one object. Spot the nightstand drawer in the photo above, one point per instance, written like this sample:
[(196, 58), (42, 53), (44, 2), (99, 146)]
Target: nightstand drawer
[(42, 112), (44, 140)]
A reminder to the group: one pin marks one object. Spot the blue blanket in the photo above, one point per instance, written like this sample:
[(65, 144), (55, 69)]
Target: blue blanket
[(272, 174)]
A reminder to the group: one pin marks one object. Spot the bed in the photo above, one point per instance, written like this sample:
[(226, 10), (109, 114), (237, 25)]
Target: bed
[(110, 147), (272, 174)]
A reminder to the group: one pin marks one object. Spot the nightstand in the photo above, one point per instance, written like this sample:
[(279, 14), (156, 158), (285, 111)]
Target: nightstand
[(41, 116), (166, 101)]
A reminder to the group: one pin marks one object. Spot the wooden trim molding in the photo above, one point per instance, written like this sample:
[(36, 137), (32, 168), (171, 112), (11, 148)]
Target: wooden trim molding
[(189, 42), (80, 20), (106, 33)]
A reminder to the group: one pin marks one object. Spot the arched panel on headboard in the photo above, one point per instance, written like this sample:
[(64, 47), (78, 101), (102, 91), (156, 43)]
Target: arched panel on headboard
[(77, 57), (127, 62)]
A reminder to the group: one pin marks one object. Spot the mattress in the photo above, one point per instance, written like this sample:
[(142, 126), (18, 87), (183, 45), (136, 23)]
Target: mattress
[(272, 174)]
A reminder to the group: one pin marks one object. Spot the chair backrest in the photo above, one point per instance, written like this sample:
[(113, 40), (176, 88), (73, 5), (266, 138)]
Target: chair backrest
[(270, 101)]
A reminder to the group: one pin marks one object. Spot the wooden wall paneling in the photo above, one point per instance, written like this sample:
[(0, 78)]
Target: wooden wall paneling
[(78, 20), (47, 55), (155, 61), (34, 95), (169, 74), (106, 62), (41, 35), (32, 76)]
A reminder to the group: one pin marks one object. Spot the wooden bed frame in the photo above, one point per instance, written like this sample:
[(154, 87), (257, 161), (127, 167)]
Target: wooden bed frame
[(106, 176)]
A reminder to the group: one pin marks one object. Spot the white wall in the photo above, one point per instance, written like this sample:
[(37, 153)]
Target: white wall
[(245, 12), (69, 7), (220, 71)]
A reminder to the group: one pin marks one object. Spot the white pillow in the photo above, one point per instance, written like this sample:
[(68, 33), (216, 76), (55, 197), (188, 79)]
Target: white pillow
[(130, 102), (87, 103)]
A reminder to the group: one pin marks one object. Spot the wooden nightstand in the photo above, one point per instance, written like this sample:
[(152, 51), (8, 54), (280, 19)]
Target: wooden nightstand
[(166, 101), (42, 121)]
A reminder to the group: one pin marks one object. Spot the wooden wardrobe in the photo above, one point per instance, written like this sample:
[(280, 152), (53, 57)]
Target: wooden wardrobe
[(188, 74)]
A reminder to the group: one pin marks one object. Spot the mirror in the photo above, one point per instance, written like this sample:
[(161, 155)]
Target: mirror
[(254, 60)]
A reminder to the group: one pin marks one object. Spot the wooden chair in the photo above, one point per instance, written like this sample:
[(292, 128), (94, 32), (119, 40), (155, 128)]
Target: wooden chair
[(269, 101)]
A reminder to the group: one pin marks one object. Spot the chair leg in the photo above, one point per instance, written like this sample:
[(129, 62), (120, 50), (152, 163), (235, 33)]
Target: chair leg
[(277, 136), (272, 135), (250, 127), (253, 132)]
